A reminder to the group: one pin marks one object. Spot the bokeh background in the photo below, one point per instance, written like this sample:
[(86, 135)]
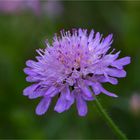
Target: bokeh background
[(23, 29)]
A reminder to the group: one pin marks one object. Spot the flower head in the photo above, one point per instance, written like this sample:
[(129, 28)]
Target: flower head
[(10, 6), (135, 104), (67, 68), (53, 9)]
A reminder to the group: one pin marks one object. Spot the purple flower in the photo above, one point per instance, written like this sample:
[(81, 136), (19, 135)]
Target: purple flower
[(67, 68), (10, 6), (34, 5), (52, 9)]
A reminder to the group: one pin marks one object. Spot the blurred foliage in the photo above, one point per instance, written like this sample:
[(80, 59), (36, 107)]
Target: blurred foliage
[(21, 34)]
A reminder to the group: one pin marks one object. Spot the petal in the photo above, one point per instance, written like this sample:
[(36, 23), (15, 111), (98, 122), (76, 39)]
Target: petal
[(29, 71), (66, 91), (121, 62), (96, 88), (91, 36), (85, 89), (61, 104), (81, 106), (50, 90), (43, 106), (87, 92), (111, 80), (87, 98), (70, 103), (30, 63), (32, 79), (80, 32), (108, 93), (115, 72), (64, 104), (54, 93), (109, 59), (107, 41), (104, 46), (97, 39), (29, 90), (69, 97), (37, 93)]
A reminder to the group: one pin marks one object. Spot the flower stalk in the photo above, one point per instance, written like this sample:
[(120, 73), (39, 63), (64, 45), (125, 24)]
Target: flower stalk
[(109, 121)]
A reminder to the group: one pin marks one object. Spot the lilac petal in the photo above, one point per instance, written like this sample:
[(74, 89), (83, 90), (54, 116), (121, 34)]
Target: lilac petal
[(32, 79), (108, 93), (80, 32), (85, 88), (61, 104), (87, 92), (70, 100), (109, 59), (111, 80), (97, 39), (115, 72), (54, 93), (70, 103), (43, 106), (105, 44), (29, 90), (81, 106), (107, 41), (69, 97), (39, 58), (91, 36), (37, 93), (96, 88), (50, 90), (66, 91), (29, 71), (30, 63), (87, 98), (121, 62)]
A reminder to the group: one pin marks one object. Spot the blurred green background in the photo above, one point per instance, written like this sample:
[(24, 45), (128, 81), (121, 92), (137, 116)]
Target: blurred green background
[(22, 33)]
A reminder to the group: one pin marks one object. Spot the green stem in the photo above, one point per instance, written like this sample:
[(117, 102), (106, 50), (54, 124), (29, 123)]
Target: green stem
[(109, 121)]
